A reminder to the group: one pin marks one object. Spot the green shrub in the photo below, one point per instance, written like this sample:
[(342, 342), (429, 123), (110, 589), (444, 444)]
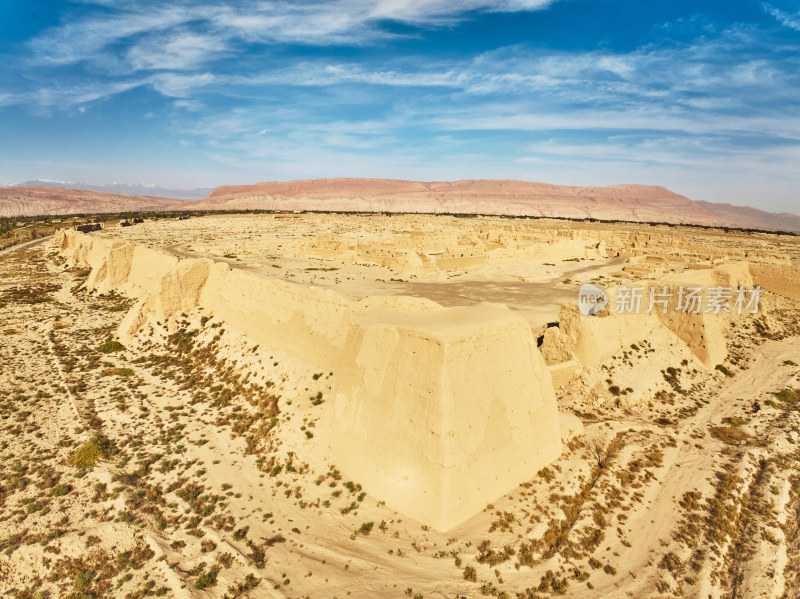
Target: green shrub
[(91, 452), (207, 579), (83, 579), (787, 395), (110, 346), (120, 372), (60, 490), (723, 370)]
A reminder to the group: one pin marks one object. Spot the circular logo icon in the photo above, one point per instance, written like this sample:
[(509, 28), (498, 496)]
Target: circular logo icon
[(591, 299)]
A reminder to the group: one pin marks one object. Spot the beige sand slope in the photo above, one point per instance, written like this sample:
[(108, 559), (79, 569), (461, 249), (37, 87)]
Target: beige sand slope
[(678, 478)]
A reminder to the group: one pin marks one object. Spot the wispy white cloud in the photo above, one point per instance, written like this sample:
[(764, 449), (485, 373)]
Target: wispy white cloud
[(513, 117), (784, 18), (62, 96), (182, 36), (233, 85), (693, 88), (90, 39), (313, 74), (692, 75), (179, 85), (174, 50), (70, 96)]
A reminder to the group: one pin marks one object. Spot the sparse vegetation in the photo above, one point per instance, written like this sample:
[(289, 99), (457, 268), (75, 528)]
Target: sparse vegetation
[(120, 372), (60, 490), (788, 395), (110, 346), (730, 434), (90, 453), (192, 444), (724, 370)]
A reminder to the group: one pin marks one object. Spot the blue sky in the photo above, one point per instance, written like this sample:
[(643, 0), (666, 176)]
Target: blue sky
[(700, 96)]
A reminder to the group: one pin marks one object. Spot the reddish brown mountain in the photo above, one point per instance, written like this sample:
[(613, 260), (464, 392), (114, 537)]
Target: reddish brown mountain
[(640, 203), (37, 200)]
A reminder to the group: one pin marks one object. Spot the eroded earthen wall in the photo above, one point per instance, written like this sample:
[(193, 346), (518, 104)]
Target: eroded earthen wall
[(437, 411)]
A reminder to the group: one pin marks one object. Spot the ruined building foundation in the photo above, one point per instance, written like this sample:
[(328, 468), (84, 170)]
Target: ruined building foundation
[(437, 411)]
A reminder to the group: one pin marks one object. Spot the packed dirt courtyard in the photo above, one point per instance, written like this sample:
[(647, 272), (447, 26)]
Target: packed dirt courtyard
[(158, 440)]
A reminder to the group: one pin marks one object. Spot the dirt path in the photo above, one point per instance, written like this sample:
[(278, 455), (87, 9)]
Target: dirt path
[(25, 246), (688, 467), (176, 251)]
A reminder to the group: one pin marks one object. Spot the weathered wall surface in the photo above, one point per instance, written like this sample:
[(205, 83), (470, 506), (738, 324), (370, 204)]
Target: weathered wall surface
[(445, 409), (781, 280), (438, 411), (593, 340)]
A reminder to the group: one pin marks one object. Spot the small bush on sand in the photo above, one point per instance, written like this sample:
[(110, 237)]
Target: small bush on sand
[(207, 579), (723, 370), (83, 579), (110, 346), (120, 372), (729, 434), (91, 452), (788, 395)]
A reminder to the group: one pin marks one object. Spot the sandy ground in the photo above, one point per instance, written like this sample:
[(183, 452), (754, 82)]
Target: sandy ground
[(212, 480)]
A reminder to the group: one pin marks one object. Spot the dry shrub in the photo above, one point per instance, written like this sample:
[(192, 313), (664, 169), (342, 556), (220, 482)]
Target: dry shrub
[(730, 435)]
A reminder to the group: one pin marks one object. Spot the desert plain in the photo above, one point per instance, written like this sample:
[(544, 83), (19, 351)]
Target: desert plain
[(353, 405)]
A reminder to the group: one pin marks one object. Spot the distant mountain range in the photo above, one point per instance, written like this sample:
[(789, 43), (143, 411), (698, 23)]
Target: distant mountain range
[(37, 200), (636, 203), (134, 189)]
